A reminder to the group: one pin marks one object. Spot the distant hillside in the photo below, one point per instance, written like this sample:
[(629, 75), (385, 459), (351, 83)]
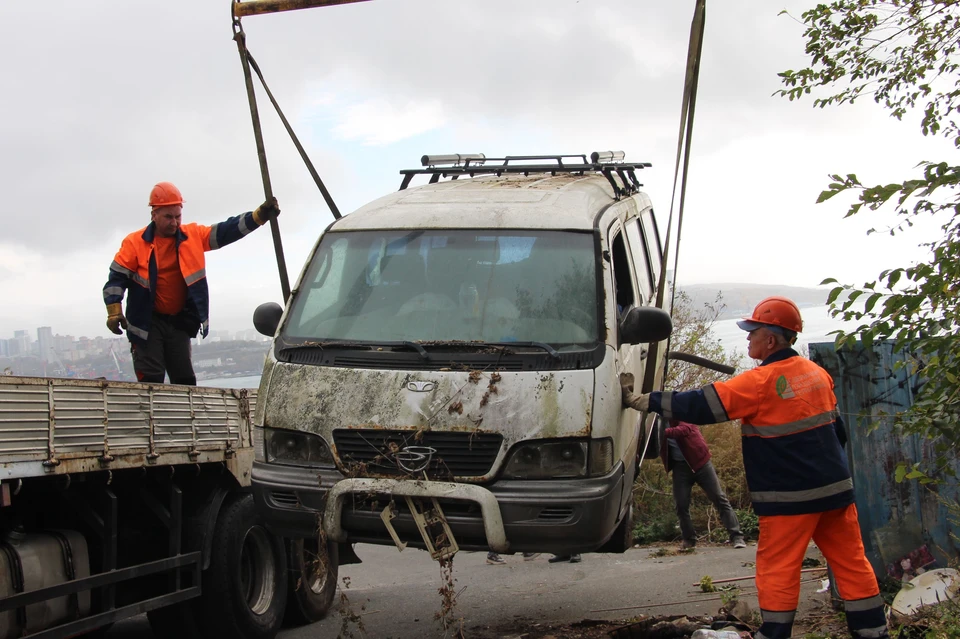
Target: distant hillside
[(739, 299)]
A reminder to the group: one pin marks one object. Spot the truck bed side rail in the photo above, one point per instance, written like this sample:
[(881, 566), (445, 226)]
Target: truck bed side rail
[(57, 426)]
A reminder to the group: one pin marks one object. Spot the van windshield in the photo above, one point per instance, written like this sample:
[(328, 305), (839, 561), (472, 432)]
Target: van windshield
[(460, 285)]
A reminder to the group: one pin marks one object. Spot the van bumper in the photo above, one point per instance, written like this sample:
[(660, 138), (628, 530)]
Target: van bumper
[(562, 515)]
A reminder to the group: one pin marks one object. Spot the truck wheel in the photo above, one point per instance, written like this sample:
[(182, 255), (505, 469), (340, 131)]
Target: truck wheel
[(245, 587), (313, 581)]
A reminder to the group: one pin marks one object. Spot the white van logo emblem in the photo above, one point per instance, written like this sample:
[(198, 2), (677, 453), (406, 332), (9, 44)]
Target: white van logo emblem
[(421, 387)]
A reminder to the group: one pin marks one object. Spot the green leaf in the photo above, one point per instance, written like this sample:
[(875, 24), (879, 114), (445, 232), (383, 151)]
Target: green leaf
[(834, 293), (900, 472)]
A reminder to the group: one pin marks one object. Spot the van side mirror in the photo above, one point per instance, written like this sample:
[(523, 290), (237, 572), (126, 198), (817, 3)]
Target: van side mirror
[(645, 325), (266, 318)]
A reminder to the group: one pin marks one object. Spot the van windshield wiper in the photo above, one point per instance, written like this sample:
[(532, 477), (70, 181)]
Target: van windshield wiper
[(420, 349), (363, 345), (550, 349), (330, 344)]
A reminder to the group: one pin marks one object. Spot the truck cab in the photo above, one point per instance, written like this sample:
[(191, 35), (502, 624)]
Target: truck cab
[(460, 343)]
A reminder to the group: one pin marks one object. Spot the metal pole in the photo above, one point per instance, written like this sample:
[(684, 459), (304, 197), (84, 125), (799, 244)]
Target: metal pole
[(257, 7), (240, 38)]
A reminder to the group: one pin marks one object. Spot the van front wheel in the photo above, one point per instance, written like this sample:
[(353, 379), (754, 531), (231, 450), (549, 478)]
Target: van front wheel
[(313, 581), (622, 539)]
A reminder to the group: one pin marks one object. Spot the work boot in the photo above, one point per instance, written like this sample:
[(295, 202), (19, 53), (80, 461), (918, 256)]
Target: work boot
[(495, 560), (686, 544), (573, 559)]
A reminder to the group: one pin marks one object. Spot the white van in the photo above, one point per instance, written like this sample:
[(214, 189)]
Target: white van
[(462, 341)]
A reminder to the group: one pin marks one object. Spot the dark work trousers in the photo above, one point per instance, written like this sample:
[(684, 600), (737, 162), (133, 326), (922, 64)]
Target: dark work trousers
[(167, 351), (683, 480)]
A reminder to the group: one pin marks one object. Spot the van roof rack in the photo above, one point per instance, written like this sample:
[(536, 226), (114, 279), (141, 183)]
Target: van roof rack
[(607, 163)]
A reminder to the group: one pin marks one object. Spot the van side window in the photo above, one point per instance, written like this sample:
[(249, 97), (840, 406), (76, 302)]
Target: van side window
[(651, 235), (641, 259), (622, 275)]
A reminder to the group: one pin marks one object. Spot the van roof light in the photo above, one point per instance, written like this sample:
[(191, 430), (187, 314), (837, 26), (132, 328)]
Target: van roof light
[(453, 158), (605, 157)]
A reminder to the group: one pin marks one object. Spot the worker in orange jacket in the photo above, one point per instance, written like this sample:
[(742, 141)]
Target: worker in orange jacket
[(161, 268), (796, 469)]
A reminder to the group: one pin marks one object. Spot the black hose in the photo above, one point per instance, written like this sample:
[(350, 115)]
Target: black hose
[(702, 361)]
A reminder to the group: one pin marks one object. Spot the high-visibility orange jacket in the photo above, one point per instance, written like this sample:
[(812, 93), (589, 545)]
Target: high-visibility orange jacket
[(134, 269), (792, 454)]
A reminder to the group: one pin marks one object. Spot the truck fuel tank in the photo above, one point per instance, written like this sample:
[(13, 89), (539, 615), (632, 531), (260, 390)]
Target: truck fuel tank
[(34, 560)]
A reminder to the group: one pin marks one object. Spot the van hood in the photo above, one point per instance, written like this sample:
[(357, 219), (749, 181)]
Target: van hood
[(517, 405)]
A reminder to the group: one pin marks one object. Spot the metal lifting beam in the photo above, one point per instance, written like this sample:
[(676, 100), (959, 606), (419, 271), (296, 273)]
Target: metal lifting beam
[(258, 7)]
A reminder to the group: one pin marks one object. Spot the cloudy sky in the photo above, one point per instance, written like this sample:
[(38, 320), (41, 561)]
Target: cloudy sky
[(102, 99)]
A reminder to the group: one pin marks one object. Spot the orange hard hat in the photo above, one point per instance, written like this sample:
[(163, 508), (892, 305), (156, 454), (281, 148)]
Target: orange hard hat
[(165, 194), (774, 311)]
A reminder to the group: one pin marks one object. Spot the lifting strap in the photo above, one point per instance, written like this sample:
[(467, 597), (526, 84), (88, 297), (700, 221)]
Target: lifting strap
[(684, 138), (248, 62)]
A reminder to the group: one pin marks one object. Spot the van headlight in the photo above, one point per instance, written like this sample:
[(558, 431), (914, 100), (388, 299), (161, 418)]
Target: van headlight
[(295, 448), (559, 459)]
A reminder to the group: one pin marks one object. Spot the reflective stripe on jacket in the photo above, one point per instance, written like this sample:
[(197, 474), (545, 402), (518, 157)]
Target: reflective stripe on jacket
[(791, 451), (134, 270)]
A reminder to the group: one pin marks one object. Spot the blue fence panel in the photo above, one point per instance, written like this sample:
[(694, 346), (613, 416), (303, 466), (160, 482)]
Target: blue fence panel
[(897, 520)]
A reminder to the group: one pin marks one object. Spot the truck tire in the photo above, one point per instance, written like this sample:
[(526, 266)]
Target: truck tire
[(245, 587), (313, 582)]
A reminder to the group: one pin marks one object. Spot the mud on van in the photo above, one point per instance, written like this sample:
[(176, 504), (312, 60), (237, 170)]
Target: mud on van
[(456, 347)]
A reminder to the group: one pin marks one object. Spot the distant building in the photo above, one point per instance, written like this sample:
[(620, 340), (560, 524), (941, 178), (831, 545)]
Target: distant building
[(45, 340), (21, 346)]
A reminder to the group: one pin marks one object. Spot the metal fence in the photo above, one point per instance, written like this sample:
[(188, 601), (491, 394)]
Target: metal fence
[(898, 520)]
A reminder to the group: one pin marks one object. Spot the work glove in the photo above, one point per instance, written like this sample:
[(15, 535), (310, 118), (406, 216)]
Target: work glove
[(115, 319), (266, 211), (637, 402)]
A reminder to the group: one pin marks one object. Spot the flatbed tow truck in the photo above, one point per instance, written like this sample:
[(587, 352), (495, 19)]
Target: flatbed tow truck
[(119, 498)]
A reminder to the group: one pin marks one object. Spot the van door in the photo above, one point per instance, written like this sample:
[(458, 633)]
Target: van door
[(629, 356)]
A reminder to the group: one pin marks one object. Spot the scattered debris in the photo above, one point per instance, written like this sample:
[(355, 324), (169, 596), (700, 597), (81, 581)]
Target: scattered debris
[(661, 628), (740, 611), (930, 588), (730, 579), (672, 552), (706, 584), (448, 598), (912, 564), (350, 621)]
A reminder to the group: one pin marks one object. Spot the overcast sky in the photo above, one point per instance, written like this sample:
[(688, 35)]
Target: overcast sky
[(102, 99)]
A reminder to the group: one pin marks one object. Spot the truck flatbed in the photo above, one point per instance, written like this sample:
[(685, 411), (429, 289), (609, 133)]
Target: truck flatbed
[(53, 426)]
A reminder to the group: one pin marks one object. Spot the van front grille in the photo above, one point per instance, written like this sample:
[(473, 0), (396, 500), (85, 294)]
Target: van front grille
[(458, 454)]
